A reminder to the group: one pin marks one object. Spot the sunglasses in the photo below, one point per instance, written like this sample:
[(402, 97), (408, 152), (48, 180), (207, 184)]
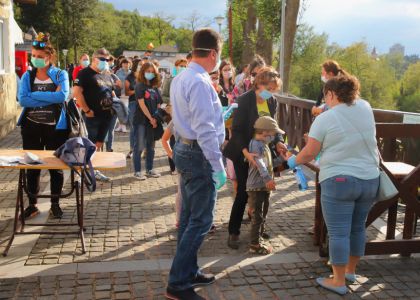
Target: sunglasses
[(39, 44), (103, 59)]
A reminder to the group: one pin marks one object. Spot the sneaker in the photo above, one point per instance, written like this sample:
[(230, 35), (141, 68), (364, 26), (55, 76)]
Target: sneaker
[(189, 294), (118, 129), (101, 177), (152, 173), (140, 176), (31, 212), (175, 172), (56, 211), (203, 279), (129, 155)]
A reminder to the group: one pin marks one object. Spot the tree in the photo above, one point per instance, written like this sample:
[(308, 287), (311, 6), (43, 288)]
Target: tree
[(292, 10), (195, 21), (410, 89)]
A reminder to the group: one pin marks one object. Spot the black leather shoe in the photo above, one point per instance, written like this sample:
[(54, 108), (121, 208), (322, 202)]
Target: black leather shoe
[(203, 279), (188, 294)]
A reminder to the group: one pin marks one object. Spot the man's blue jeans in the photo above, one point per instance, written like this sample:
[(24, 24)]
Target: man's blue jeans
[(198, 200), (110, 135), (346, 202)]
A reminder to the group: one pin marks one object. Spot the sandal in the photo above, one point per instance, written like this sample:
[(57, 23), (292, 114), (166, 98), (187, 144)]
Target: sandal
[(260, 249)]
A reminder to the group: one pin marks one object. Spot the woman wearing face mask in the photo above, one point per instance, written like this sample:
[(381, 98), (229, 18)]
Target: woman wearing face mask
[(145, 120), (329, 69), (255, 103), (123, 72), (227, 80), (246, 83), (42, 94), (83, 63), (180, 66)]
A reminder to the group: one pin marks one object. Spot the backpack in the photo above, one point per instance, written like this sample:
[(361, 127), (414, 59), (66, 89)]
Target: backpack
[(78, 152), (76, 126)]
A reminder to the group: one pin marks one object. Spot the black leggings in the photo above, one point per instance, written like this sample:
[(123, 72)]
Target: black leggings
[(37, 136), (170, 160), (238, 207)]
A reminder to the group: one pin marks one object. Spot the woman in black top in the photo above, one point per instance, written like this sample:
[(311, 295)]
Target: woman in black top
[(147, 126), (257, 102)]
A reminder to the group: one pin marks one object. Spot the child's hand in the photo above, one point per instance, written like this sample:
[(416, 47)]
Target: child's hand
[(271, 185)]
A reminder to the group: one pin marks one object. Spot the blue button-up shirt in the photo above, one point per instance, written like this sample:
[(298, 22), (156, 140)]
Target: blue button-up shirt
[(197, 112)]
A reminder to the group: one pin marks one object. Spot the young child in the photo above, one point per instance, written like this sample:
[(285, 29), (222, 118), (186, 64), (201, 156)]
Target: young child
[(260, 180)]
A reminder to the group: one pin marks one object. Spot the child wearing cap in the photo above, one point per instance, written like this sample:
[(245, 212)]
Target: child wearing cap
[(260, 181)]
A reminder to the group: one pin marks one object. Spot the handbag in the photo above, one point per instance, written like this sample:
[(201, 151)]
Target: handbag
[(387, 189)]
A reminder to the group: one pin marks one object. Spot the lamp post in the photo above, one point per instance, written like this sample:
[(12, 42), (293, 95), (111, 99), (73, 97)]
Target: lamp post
[(65, 51), (219, 21)]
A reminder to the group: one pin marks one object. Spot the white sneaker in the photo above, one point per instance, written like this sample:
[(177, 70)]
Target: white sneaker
[(140, 176), (101, 177), (153, 173), (174, 172)]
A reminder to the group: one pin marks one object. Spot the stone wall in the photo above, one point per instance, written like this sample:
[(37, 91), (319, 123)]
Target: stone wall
[(9, 109), (8, 106)]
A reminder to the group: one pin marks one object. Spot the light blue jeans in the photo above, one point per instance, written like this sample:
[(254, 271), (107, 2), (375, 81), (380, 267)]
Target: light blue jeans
[(346, 202)]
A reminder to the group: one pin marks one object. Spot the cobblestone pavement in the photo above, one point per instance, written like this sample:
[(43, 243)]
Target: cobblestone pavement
[(131, 225)]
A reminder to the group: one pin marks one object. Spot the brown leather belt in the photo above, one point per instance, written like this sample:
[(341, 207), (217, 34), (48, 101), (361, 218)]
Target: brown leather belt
[(187, 141)]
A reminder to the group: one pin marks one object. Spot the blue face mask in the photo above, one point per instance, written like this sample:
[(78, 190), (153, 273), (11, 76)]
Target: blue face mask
[(269, 139), (103, 66), (85, 63), (149, 76), (181, 69), (265, 94), (38, 63)]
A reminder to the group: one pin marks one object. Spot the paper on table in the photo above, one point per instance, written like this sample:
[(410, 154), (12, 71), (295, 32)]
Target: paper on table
[(10, 160)]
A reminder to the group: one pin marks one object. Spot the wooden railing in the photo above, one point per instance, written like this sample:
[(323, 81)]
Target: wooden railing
[(398, 142)]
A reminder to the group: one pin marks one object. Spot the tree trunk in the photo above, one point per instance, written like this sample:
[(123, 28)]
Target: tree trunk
[(264, 45), (292, 10), (248, 26)]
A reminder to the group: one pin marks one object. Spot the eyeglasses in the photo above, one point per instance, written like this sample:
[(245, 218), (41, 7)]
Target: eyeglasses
[(103, 59), (39, 44), (253, 74)]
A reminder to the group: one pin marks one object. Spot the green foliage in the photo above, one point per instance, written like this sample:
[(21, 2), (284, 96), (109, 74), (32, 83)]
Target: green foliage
[(86, 25), (382, 79)]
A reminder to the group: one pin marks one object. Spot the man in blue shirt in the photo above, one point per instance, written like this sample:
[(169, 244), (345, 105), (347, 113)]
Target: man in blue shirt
[(200, 131)]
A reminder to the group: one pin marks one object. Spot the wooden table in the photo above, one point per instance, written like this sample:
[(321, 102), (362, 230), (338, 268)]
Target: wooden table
[(100, 161)]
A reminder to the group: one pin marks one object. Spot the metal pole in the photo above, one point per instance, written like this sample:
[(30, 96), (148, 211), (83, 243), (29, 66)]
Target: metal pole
[(283, 26), (230, 33)]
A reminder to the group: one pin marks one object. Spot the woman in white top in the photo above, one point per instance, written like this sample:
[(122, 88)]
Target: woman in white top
[(349, 174)]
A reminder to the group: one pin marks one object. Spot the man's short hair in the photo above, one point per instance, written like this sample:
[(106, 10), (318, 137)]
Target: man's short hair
[(101, 52), (206, 39)]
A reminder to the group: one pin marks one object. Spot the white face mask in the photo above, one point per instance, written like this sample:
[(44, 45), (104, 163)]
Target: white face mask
[(324, 79), (228, 74), (218, 60)]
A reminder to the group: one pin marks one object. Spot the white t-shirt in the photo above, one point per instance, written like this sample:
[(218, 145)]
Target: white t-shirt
[(343, 151)]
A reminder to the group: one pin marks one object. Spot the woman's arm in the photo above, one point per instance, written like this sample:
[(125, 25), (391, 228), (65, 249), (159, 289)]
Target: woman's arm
[(128, 91), (60, 95), (309, 152), (146, 112), (165, 141)]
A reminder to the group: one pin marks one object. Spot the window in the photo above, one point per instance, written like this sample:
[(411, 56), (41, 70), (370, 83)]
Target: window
[(3, 44)]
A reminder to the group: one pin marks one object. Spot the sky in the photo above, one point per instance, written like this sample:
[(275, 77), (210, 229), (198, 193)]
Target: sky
[(380, 23)]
